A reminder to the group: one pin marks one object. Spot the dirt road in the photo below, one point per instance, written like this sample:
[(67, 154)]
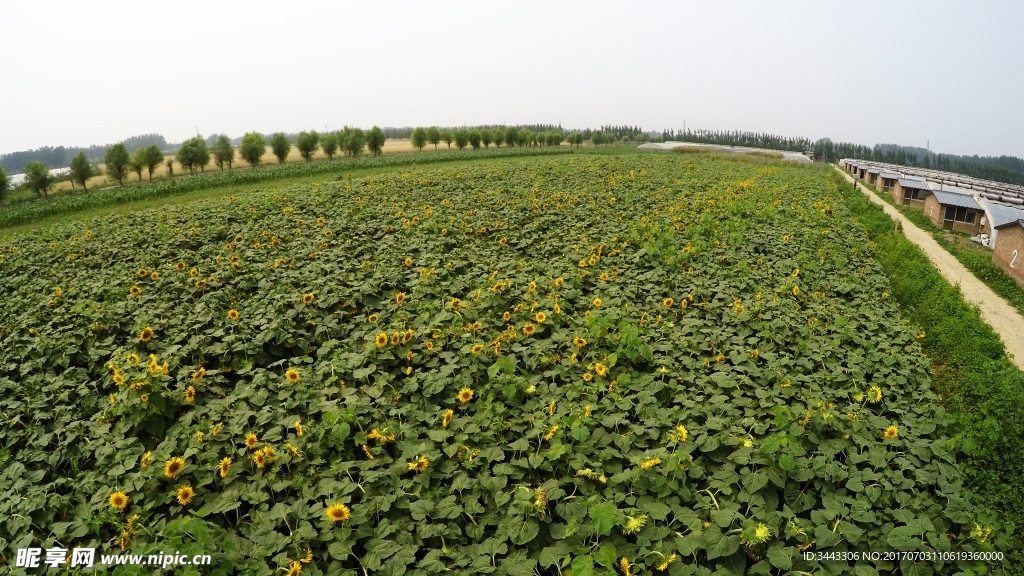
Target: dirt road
[(996, 312)]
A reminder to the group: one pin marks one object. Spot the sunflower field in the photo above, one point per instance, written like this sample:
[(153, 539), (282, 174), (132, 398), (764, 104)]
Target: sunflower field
[(579, 365)]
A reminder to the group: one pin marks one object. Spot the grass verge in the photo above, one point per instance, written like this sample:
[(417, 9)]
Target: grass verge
[(982, 390)]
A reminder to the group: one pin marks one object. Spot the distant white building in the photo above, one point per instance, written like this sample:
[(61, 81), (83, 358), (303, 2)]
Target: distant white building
[(19, 179)]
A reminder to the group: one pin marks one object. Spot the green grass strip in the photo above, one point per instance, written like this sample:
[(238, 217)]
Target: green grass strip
[(982, 390)]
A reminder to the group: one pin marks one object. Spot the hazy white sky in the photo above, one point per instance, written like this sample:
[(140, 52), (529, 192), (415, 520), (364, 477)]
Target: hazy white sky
[(80, 73)]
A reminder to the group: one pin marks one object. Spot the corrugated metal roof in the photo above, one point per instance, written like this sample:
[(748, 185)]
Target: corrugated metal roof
[(908, 183), (1009, 224), (951, 199), (890, 175), (1001, 214), (873, 170)]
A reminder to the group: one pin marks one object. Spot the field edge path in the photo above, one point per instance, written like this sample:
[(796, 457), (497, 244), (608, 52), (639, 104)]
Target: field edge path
[(995, 311)]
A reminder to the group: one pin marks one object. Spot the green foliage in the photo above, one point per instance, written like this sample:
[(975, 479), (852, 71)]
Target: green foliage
[(115, 162), (575, 139), (223, 152), (512, 136), (194, 154), (568, 455), (474, 139), (38, 178), (498, 136), (447, 137), (154, 157), (375, 140), (418, 138), (280, 146), (5, 185), (307, 143), (252, 148), (138, 162), (329, 144), (82, 170), (433, 136), (27, 212), (352, 141), (597, 138), (486, 137), (461, 138)]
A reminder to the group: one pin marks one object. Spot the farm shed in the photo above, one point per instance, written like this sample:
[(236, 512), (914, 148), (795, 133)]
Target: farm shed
[(908, 192), (952, 211), (872, 174), (886, 180), (1008, 252), (998, 215)]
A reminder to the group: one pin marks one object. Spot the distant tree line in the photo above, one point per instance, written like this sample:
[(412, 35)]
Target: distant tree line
[(61, 156), (739, 138)]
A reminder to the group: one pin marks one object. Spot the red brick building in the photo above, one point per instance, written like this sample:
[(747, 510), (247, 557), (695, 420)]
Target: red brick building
[(951, 211), (909, 192), (1008, 252)]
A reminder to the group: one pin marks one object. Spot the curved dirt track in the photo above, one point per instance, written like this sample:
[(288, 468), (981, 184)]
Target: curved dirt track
[(996, 312)]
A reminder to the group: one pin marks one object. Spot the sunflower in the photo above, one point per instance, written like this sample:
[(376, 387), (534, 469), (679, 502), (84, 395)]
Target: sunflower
[(874, 394), (668, 302), (407, 263), (506, 316), (597, 302), (579, 342), (372, 318), (668, 560), (118, 500), (179, 266), (133, 359), (557, 309), (601, 369), (294, 568), (201, 284), (396, 338), (144, 397), (146, 335), (251, 440), (447, 418), (174, 466), (193, 272), (465, 395), (604, 276), (144, 461), (260, 458), (118, 378), (429, 345), (477, 348), (154, 276), (624, 566), (225, 467), (400, 298), (185, 494), (796, 290), (320, 221), (418, 465), (233, 314), (142, 273), (135, 290), (215, 429), (540, 317), (338, 513), (381, 340), (529, 329), (891, 432), (650, 463), (587, 376), (407, 336), (757, 534), (190, 394), (199, 374), (298, 428), (559, 282), (199, 436)]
